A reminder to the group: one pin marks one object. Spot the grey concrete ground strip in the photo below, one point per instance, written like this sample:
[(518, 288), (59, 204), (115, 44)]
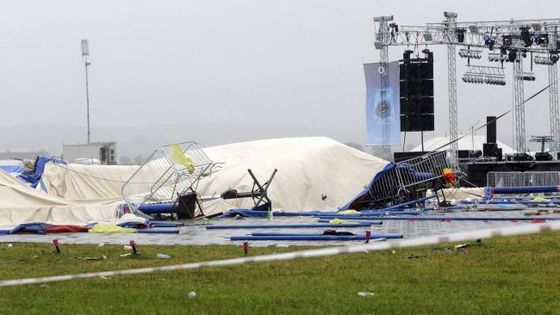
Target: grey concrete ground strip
[(198, 234)]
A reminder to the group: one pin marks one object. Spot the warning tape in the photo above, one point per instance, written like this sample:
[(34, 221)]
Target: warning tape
[(330, 251)]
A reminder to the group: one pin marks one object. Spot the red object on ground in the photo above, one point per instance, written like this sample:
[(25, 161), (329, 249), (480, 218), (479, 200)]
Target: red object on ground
[(537, 221), (55, 243), (246, 247), (64, 229), (133, 245)]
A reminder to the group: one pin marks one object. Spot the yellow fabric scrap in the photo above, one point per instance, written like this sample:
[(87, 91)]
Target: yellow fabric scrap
[(539, 199), (337, 221), (110, 228), (348, 212), (178, 156)]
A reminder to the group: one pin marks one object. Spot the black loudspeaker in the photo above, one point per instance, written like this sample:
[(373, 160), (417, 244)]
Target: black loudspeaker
[(417, 92), (543, 156), (187, 206), (491, 129), (490, 149)]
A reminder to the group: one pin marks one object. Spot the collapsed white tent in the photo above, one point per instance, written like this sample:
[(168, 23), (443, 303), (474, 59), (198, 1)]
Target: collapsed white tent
[(313, 173), (19, 203)]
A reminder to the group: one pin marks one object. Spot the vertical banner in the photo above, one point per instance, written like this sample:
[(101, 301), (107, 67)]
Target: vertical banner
[(383, 105)]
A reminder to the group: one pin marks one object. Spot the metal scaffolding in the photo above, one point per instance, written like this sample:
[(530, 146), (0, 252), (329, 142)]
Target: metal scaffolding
[(520, 144), (505, 41), (382, 34), (451, 19), (554, 110)]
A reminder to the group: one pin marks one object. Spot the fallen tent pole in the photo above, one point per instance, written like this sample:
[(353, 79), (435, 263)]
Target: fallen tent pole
[(376, 213), (321, 252), (156, 208), (387, 236), (439, 218), (302, 238), (257, 213), (508, 202), (165, 224), (158, 231), (290, 226)]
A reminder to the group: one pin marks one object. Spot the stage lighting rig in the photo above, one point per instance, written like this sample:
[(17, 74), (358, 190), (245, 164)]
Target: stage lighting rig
[(486, 75), (544, 59), (470, 53)]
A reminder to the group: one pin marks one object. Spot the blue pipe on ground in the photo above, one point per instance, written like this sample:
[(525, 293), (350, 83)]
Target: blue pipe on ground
[(300, 238), (158, 231), (387, 236), (290, 226), (154, 208), (439, 218)]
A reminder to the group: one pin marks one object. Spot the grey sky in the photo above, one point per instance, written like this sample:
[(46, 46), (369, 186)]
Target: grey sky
[(281, 62)]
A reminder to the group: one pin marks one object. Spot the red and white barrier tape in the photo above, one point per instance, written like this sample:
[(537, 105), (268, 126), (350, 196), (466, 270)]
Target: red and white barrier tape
[(419, 241)]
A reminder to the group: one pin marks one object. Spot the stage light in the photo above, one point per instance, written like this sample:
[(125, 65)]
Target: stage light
[(526, 36), (488, 41), (540, 39), (512, 55), (508, 40), (460, 34)]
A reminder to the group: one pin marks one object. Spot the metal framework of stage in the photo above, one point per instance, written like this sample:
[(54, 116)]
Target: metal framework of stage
[(505, 41)]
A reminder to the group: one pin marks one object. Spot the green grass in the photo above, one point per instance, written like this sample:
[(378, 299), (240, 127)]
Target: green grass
[(503, 276)]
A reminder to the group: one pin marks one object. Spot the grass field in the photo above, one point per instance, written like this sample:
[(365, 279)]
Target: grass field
[(502, 276)]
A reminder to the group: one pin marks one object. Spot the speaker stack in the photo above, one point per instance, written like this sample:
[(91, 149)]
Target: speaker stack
[(417, 92)]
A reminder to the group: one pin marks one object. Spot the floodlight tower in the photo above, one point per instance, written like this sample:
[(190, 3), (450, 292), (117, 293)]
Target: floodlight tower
[(383, 37), (87, 63), (451, 38)]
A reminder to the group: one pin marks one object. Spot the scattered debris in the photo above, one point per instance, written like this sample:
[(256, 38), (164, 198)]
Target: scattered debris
[(104, 278), (102, 257), (101, 244), (45, 286), (192, 295), (366, 293), (10, 245), (163, 256)]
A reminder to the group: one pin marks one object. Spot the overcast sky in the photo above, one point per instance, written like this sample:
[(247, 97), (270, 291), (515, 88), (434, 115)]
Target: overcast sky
[(285, 62)]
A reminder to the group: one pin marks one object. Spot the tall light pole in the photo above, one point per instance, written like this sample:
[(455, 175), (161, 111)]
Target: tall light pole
[(87, 62)]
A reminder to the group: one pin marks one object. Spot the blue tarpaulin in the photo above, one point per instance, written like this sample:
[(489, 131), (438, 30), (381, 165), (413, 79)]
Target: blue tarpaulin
[(33, 178)]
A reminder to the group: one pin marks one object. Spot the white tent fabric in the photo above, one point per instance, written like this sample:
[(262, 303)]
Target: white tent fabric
[(19, 203), (89, 183), (313, 173), (466, 143)]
